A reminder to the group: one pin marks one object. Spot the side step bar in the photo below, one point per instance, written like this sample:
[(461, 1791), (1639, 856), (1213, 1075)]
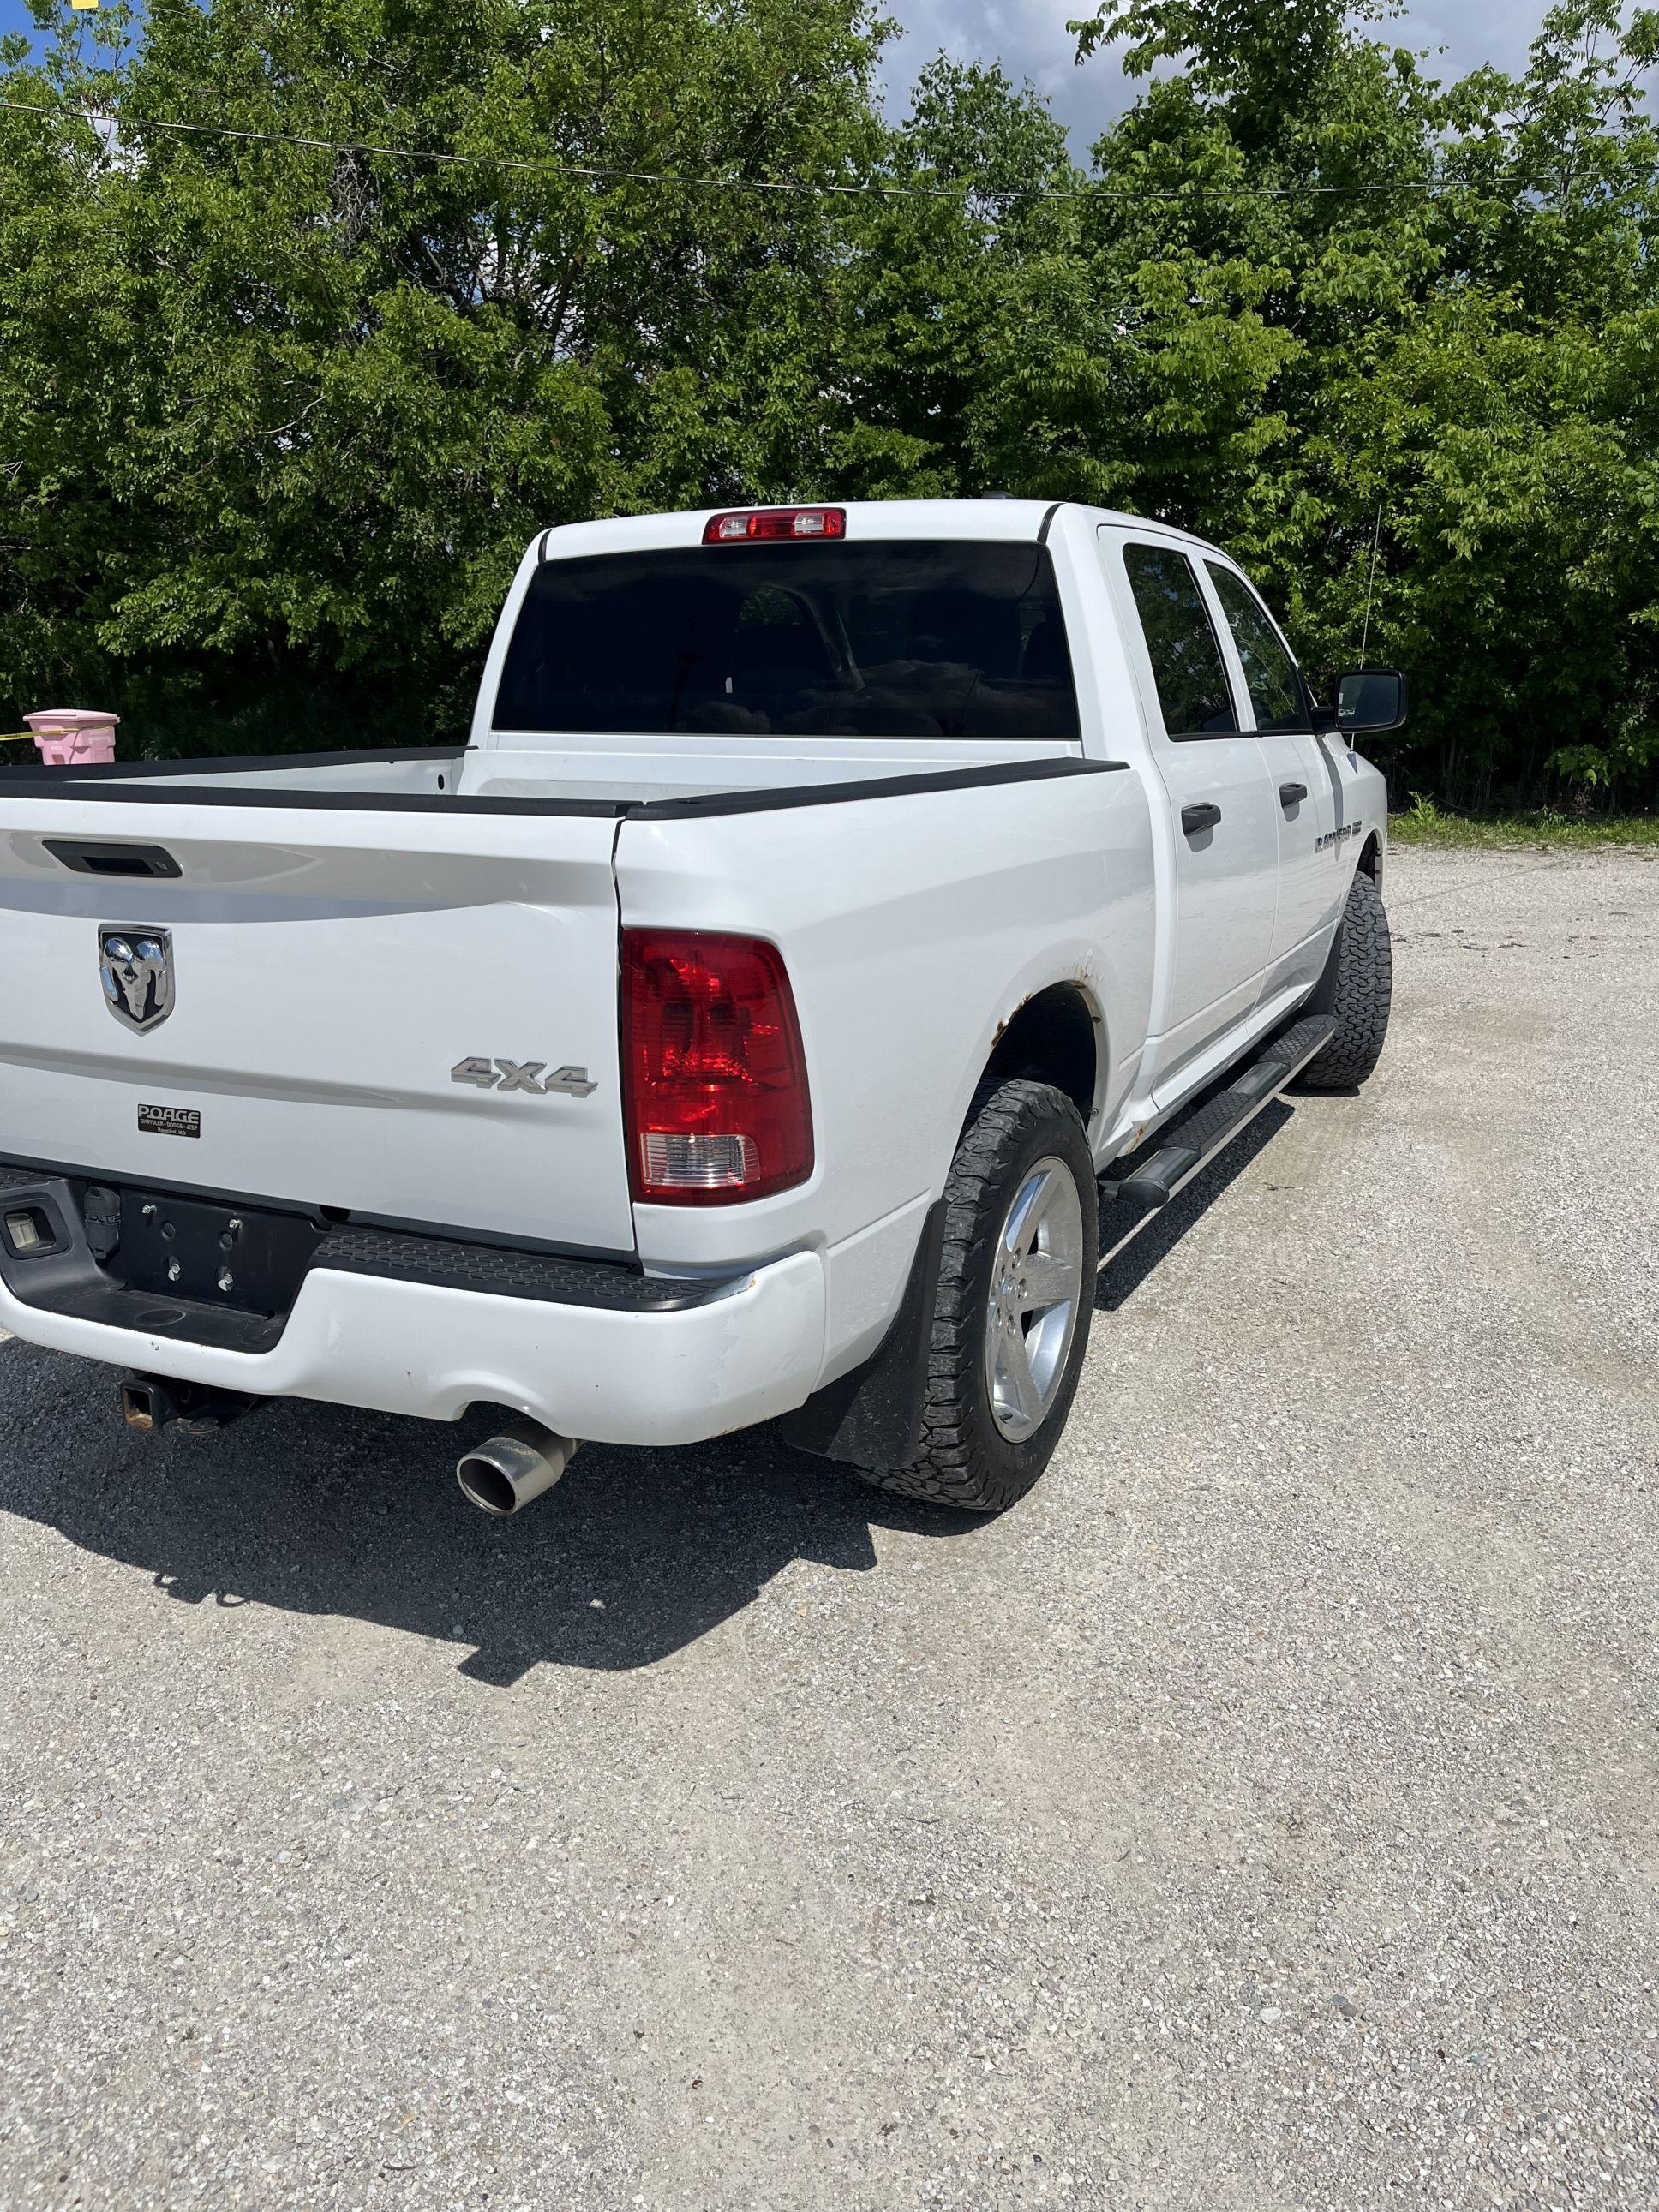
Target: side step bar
[(1189, 1144)]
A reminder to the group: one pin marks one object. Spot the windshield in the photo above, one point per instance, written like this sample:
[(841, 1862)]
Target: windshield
[(919, 640)]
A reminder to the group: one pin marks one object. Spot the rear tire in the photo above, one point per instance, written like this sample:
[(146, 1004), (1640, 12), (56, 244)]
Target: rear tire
[(1360, 993), (1014, 1301)]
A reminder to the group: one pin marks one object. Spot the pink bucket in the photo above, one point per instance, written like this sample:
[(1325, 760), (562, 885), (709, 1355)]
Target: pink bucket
[(66, 735)]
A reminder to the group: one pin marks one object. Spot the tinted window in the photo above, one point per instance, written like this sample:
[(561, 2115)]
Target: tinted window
[(868, 640), (1187, 665), (1270, 674)]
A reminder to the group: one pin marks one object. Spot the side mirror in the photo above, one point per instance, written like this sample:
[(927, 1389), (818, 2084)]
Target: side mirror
[(1370, 701)]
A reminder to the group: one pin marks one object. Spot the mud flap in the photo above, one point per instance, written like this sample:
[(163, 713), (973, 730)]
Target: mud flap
[(872, 1417)]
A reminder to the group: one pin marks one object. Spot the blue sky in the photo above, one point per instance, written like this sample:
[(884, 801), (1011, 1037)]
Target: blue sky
[(1029, 38)]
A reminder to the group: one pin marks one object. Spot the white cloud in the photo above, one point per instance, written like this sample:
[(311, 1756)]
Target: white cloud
[(1030, 39)]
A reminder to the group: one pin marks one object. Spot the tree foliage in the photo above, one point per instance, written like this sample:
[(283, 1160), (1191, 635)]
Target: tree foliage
[(276, 421)]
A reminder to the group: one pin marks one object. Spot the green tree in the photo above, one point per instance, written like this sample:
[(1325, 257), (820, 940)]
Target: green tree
[(1462, 364), (277, 422)]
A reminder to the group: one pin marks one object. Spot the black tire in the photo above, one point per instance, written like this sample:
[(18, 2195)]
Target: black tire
[(1358, 991), (966, 1460)]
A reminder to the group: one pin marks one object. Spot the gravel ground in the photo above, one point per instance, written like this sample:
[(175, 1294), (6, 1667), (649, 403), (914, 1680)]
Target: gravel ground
[(1262, 1816)]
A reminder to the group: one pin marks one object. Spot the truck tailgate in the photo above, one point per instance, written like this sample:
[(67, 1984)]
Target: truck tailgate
[(328, 972)]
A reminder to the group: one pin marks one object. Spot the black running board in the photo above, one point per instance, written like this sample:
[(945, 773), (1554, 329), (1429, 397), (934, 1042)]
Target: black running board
[(1189, 1144)]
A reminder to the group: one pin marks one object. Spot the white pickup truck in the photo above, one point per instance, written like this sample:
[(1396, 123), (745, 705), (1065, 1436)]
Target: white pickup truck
[(844, 926)]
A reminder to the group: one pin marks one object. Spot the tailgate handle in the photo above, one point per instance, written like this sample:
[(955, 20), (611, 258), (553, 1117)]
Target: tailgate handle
[(96, 859)]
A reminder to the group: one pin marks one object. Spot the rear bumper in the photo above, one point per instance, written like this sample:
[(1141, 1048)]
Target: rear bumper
[(751, 1351)]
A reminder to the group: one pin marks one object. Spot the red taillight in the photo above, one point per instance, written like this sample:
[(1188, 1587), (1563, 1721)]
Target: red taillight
[(752, 523), (716, 1080)]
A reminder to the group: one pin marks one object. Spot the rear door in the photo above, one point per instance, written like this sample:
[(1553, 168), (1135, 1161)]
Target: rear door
[(407, 1014), (1304, 789), (1221, 804)]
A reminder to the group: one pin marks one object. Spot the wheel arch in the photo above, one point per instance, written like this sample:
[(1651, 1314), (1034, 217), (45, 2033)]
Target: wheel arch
[(1057, 1036), (872, 1416)]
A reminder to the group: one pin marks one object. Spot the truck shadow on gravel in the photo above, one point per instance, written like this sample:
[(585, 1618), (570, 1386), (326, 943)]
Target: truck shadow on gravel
[(315, 1508), (1122, 1277), (318, 1509)]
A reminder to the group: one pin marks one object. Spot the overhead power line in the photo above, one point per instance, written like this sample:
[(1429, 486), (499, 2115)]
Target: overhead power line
[(121, 119)]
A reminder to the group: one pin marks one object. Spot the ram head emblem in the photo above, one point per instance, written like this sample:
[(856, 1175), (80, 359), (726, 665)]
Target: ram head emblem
[(135, 966)]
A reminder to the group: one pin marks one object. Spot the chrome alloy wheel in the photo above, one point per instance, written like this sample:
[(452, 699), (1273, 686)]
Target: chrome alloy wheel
[(1037, 1290)]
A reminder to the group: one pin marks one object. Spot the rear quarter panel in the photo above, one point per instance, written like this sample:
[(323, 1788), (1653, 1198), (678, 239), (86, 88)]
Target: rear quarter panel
[(913, 928)]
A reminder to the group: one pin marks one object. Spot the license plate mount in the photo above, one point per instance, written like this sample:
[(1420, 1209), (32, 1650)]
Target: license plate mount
[(245, 1258)]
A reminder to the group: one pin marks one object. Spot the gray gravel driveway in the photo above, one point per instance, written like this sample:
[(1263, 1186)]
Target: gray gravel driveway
[(1264, 1815)]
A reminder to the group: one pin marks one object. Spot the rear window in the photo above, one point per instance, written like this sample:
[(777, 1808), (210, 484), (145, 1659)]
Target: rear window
[(863, 640)]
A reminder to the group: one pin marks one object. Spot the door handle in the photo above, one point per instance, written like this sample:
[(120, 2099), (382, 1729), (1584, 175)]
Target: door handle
[(1202, 817), (1292, 794)]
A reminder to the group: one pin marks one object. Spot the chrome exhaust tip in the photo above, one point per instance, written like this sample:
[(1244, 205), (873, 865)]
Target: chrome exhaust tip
[(504, 1474)]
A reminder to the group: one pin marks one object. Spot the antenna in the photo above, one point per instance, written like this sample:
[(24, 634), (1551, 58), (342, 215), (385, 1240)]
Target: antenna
[(1370, 585)]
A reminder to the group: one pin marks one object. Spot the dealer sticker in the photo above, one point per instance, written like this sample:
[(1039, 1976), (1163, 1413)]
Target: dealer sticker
[(169, 1122)]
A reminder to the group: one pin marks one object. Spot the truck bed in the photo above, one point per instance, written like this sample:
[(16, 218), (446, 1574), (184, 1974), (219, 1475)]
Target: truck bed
[(345, 941), (613, 777)]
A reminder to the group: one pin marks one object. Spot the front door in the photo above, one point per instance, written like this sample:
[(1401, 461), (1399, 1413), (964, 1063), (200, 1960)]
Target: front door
[(1223, 806)]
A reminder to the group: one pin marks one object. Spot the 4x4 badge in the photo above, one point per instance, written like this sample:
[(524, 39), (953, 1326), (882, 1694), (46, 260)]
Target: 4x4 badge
[(522, 1075), (135, 966)]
